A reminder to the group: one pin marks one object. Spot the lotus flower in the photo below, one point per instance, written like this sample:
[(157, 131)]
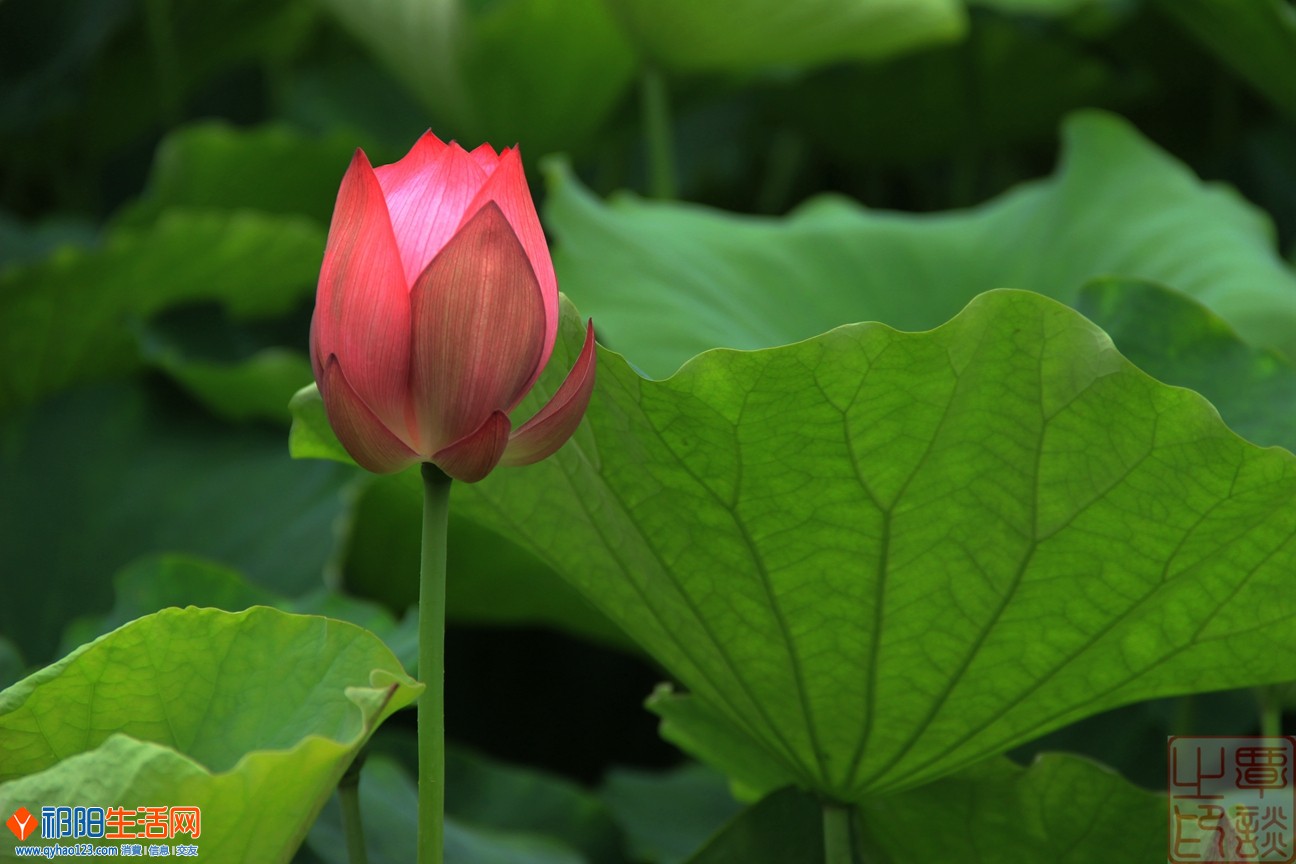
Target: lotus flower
[(436, 311)]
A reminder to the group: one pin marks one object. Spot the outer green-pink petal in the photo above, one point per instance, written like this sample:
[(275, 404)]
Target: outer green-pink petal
[(542, 435), (362, 312), (370, 443), (478, 323), (473, 457), (508, 188), (427, 194)]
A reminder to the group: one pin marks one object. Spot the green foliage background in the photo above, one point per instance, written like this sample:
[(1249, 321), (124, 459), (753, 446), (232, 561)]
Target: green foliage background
[(740, 175)]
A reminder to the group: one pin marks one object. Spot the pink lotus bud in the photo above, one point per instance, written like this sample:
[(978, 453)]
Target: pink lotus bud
[(437, 309)]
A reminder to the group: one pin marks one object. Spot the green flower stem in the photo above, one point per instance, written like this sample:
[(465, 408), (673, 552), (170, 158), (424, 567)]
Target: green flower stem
[(1271, 709), (655, 103), (352, 827), (837, 834), (431, 667), (1184, 716)]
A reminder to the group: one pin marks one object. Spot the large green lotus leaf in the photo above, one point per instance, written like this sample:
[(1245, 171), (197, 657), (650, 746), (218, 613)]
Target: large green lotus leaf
[(158, 582), (568, 64), (1257, 39), (94, 479), (883, 556), (1179, 341), (252, 717), (1063, 808), (749, 34), (62, 320), (667, 281)]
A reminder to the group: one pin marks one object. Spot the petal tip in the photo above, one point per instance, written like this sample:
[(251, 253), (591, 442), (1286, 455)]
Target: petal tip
[(370, 443), (555, 423)]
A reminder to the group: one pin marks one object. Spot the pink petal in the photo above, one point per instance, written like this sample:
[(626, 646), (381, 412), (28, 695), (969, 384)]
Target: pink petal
[(542, 435), (362, 312), (427, 195), (508, 188), (478, 330), (364, 436), (474, 456), (486, 157)]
